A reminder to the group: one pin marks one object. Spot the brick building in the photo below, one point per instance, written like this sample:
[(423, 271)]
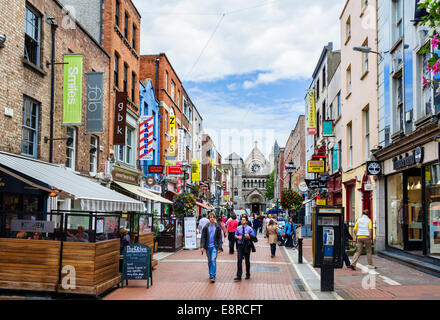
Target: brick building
[(294, 151)]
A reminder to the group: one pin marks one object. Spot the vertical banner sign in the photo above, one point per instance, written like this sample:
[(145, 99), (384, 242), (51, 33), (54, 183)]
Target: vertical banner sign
[(195, 170), (72, 88), (120, 118), (190, 232), (311, 125), (146, 128), (181, 145), (172, 134), (213, 158), (94, 101)]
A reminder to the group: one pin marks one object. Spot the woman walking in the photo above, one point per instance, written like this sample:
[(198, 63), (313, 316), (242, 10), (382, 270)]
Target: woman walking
[(245, 244), (223, 227), (289, 231), (272, 235), (231, 227)]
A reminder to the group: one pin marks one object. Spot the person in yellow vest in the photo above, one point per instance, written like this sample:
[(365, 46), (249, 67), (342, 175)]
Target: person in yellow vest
[(363, 231)]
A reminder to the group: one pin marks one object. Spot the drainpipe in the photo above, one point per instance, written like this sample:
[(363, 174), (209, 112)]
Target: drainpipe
[(157, 75), (52, 92)]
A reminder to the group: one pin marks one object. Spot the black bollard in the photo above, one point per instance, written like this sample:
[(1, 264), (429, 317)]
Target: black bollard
[(300, 250)]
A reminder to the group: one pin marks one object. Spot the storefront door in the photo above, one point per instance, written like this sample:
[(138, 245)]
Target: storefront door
[(432, 200), (413, 214)]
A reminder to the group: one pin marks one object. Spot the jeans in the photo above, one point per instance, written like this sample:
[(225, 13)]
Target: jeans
[(247, 258), (212, 261), (273, 248), (346, 259), (289, 241), (255, 231), (232, 242)]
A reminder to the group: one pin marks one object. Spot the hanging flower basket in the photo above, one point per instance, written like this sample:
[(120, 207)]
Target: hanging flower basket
[(183, 205), (291, 200)]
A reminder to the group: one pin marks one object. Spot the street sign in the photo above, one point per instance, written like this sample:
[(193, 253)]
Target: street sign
[(316, 166), (315, 183), (155, 169)]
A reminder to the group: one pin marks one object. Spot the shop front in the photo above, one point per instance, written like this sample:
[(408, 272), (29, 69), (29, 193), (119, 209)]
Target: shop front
[(412, 195)]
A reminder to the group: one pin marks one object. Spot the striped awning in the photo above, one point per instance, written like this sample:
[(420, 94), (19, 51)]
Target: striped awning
[(92, 195)]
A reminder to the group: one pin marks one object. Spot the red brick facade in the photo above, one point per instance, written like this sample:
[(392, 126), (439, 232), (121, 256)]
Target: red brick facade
[(20, 78)]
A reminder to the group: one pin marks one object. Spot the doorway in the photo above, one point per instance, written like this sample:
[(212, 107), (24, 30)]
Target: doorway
[(255, 208)]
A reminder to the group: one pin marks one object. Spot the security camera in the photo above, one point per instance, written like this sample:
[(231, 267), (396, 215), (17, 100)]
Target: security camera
[(2, 40)]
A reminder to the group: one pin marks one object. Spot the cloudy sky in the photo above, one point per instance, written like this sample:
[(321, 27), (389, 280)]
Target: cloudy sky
[(245, 64)]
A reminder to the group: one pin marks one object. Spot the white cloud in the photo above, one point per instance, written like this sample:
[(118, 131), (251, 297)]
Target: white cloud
[(282, 40), (234, 127)]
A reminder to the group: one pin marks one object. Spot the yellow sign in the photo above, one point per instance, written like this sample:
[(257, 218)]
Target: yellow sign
[(316, 166), (428, 173), (195, 170), (321, 202), (227, 198), (311, 123), (172, 134)]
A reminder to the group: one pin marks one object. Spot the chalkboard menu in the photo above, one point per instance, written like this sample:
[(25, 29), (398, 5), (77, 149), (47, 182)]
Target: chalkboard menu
[(137, 262)]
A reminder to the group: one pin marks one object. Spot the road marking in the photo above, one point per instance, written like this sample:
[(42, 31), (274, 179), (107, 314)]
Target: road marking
[(385, 279), (308, 289), (390, 281)]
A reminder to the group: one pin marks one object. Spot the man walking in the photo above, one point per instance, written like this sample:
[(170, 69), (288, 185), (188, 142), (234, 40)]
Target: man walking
[(363, 231), (211, 242), (244, 235)]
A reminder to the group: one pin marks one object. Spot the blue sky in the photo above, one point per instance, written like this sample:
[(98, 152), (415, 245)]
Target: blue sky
[(245, 64)]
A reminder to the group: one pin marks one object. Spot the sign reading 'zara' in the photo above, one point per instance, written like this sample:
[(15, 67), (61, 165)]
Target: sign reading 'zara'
[(408, 160)]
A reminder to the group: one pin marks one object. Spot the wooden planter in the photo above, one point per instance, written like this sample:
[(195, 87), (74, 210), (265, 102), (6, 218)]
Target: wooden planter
[(35, 265)]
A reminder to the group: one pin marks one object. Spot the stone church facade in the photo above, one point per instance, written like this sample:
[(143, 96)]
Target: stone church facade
[(254, 173)]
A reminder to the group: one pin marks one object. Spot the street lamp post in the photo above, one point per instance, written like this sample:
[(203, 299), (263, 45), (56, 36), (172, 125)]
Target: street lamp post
[(290, 168)]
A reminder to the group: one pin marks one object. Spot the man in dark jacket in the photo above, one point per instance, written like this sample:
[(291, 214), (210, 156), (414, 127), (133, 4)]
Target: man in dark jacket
[(211, 242)]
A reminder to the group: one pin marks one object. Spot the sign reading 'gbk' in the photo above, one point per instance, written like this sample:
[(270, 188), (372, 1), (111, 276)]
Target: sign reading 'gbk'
[(120, 118)]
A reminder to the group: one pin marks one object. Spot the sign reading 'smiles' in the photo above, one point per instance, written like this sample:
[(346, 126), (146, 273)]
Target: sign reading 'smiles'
[(72, 89)]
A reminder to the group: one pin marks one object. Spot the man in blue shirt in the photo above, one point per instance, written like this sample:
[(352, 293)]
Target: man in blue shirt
[(244, 235), (211, 242)]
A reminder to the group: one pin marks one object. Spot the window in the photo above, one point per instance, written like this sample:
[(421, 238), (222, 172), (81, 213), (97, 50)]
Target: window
[(189, 114), (134, 37), (172, 90), (338, 98), (32, 37), (116, 76), (349, 80), (166, 81), (71, 149), (367, 134), (30, 127), (350, 146), (318, 124), (323, 78), (93, 155), (126, 152), (364, 3), (317, 90), (185, 107), (426, 96), (347, 30), (117, 13), (178, 97), (125, 78), (398, 97), (365, 58), (133, 87), (126, 26), (339, 153), (154, 124), (397, 20), (330, 116)]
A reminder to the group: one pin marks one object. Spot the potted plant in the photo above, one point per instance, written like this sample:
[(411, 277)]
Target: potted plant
[(183, 205)]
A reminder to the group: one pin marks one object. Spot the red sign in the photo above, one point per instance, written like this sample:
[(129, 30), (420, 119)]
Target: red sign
[(226, 193), (174, 170), (179, 184), (155, 169)]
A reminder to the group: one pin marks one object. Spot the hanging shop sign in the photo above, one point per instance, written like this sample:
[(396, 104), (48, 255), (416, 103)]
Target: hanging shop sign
[(368, 186), (150, 181), (316, 184), (374, 168), (416, 157), (316, 166), (179, 185), (311, 123), (72, 88), (155, 169), (327, 128), (172, 134), (120, 118), (302, 186), (181, 156), (94, 101), (146, 128), (175, 170), (125, 176), (195, 170)]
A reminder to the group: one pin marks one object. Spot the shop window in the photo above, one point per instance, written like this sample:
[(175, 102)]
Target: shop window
[(395, 210), (29, 128), (432, 196), (71, 148), (32, 36)]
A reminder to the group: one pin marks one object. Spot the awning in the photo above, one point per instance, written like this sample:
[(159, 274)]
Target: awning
[(142, 192), (92, 195), (204, 206)]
